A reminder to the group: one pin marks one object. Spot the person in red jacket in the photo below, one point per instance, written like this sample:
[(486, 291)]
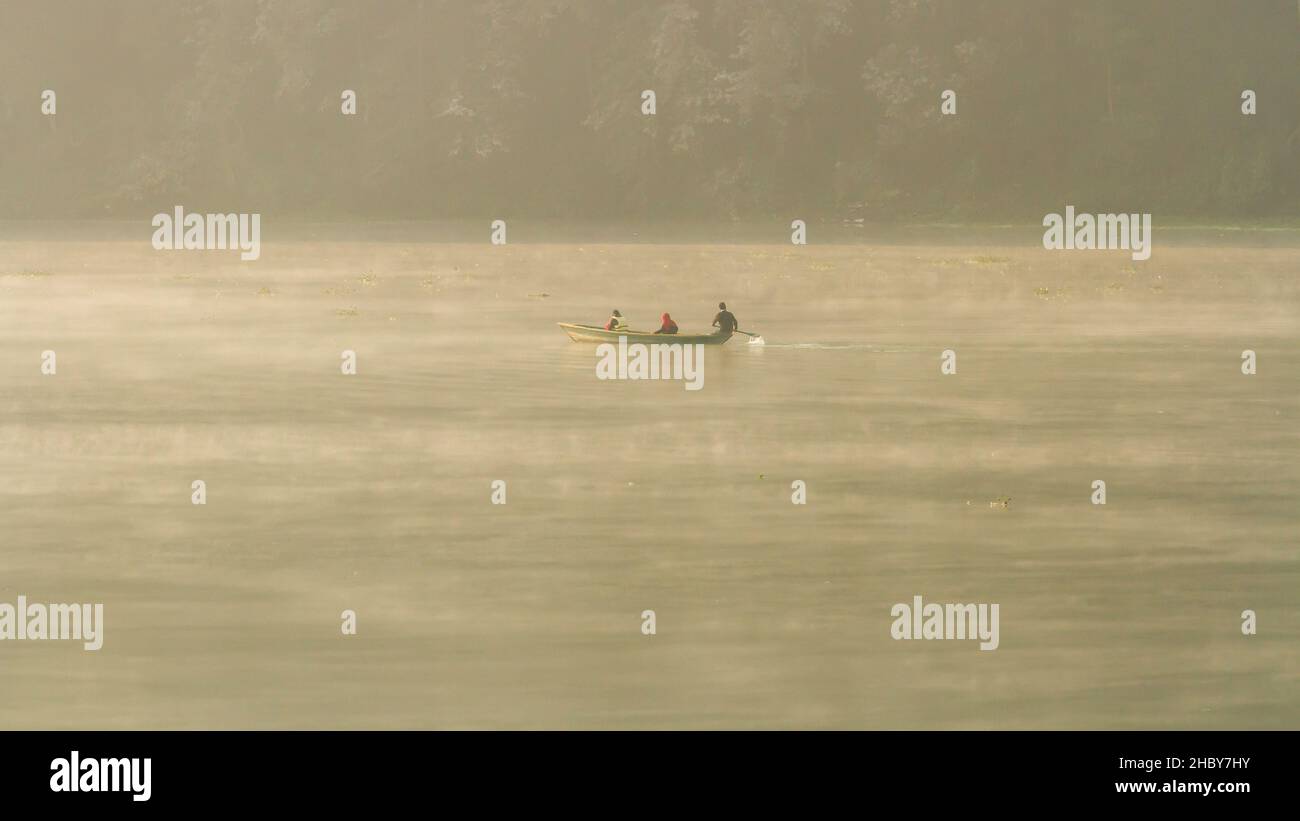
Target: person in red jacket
[(668, 326)]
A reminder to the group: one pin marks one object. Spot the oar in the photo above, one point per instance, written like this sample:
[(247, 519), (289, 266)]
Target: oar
[(738, 331)]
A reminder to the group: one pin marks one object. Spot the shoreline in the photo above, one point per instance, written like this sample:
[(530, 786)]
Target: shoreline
[(526, 232)]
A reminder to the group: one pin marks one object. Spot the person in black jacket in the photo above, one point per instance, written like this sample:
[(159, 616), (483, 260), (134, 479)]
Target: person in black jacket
[(725, 321)]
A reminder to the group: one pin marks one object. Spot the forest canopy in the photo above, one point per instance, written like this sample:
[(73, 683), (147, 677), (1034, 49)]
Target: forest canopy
[(762, 108)]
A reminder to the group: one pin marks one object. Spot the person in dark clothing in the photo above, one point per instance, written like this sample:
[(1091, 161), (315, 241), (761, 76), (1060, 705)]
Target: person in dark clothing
[(725, 321), (616, 322), (668, 326)]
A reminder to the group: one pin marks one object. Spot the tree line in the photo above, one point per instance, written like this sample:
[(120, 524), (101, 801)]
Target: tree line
[(762, 108)]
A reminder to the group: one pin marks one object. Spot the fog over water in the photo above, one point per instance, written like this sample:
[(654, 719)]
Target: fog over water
[(371, 492)]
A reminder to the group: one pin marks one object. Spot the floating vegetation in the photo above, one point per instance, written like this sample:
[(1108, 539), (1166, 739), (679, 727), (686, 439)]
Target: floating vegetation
[(1000, 503), (369, 279), (346, 312)]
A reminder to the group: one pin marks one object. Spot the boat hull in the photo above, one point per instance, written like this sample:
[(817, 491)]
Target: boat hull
[(592, 333)]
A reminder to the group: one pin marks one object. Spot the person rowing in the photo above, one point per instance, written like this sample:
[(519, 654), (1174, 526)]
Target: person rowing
[(667, 326), (725, 321)]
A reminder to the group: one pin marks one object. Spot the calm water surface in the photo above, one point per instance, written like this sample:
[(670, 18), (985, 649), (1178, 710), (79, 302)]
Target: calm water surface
[(371, 492)]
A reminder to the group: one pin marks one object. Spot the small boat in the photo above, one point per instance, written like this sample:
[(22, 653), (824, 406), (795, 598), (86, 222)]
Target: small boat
[(595, 333)]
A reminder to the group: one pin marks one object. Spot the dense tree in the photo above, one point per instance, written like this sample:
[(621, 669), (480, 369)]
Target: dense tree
[(764, 107)]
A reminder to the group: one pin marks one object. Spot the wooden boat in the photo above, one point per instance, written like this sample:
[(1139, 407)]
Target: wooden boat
[(595, 333)]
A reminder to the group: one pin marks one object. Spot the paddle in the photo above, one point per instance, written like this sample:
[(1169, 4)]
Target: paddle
[(746, 333)]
